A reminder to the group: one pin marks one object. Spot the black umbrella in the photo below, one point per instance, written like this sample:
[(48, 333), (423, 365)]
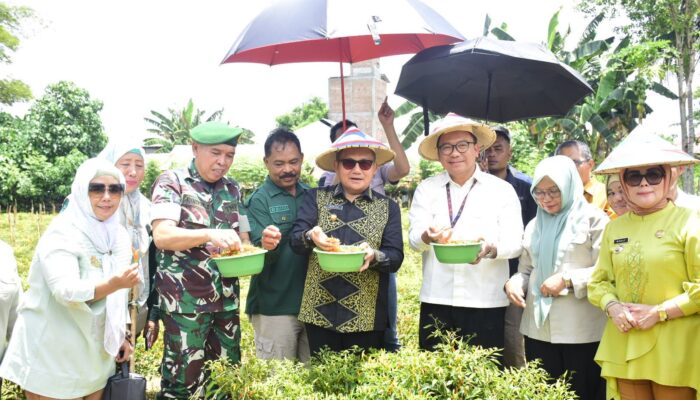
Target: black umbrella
[(494, 80)]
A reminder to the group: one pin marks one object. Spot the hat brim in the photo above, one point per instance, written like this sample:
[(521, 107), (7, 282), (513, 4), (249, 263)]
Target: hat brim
[(485, 137), (326, 160), (638, 159)]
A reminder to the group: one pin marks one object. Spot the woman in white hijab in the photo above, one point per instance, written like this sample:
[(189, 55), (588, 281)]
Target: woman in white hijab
[(129, 157), (560, 248), (71, 323)]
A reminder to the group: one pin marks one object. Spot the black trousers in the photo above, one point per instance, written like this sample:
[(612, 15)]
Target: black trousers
[(337, 341), (558, 358), (486, 323)]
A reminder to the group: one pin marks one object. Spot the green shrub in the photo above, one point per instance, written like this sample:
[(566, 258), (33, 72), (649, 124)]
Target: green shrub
[(455, 371)]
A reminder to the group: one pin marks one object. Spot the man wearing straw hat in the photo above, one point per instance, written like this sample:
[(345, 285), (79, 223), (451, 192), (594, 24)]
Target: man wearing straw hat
[(464, 203), (195, 212), (341, 310)]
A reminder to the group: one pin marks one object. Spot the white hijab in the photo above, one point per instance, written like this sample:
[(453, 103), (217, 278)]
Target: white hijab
[(132, 215), (103, 236)]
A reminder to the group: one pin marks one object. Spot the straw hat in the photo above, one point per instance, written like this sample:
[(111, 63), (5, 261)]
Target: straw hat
[(641, 150), (354, 138), (485, 136)]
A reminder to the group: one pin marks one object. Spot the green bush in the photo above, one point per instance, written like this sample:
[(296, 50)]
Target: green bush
[(455, 371)]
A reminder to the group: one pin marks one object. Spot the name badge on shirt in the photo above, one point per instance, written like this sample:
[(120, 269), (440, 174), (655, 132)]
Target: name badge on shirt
[(621, 240), (278, 209), (338, 207)]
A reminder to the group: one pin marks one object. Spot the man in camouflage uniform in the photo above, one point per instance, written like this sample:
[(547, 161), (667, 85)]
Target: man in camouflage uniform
[(195, 211)]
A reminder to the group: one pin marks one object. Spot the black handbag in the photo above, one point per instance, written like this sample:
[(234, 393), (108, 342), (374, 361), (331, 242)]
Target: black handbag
[(124, 385)]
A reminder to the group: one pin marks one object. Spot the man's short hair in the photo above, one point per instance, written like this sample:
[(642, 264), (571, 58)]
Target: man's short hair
[(338, 126), (582, 147), (503, 132), (281, 136)]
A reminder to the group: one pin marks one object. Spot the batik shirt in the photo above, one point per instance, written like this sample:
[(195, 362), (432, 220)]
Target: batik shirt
[(352, 301), (188, 281)]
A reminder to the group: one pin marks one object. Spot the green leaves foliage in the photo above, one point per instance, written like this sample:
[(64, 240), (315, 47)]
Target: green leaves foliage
[(173, 127), (455, 371), (305, 114), (44, 149)]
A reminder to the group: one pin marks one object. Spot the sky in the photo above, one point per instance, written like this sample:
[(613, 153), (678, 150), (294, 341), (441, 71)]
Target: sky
[(138, 56)]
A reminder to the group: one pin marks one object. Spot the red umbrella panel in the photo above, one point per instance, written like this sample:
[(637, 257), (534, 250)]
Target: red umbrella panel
[(292, 31)]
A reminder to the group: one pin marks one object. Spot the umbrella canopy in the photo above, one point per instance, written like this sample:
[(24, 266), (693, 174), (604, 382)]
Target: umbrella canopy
[(491, 79), (293, 31)]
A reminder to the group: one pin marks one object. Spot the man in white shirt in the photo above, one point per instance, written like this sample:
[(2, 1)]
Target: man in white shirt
[(464, 203)]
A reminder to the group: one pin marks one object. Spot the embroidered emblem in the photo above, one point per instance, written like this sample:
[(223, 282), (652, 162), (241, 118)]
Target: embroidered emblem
[(95, 262), (660, 233), (334, 217), (618, 249)]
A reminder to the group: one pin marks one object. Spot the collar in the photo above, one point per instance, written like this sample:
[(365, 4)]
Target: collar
[(338, 191), (275, 190), (194, 175), (478, 176)]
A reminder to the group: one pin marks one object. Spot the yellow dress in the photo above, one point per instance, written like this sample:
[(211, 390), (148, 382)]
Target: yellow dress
[(647, 260)]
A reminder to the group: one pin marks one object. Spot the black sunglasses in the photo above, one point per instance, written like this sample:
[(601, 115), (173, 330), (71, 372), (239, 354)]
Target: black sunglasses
[(654, 176), (349, 163), (99, 188)]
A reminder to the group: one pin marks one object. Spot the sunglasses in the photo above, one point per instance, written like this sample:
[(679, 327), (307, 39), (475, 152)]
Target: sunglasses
[(349, 164), (654, 176), (99, 189)]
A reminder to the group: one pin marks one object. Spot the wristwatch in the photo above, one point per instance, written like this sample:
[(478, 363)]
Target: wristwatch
[(663, 315), (566, 276)]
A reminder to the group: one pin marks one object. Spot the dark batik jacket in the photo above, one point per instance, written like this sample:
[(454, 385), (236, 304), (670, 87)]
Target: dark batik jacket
[(355, 301)]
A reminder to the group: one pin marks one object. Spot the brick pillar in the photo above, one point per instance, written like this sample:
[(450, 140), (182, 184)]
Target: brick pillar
[(365, 89)]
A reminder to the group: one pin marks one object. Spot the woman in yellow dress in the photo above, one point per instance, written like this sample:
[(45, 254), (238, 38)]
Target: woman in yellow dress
[(647, 279)]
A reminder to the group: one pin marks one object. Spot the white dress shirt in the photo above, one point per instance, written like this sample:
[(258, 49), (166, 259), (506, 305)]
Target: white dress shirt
[(491, 212)]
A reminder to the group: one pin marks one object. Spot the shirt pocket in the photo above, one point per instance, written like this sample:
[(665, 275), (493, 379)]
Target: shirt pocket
[(282, 220), (579, 252), (194, 214)]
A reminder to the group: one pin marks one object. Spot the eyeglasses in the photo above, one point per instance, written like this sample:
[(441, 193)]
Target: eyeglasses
[(447, 149), (349, 164), (98, 189), (552, 193), (654, 176)]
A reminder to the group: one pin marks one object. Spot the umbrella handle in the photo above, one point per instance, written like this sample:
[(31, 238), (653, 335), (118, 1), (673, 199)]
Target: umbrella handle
[(426, 119)]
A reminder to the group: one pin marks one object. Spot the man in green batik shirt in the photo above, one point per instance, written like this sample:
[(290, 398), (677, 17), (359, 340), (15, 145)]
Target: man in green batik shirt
[(274, 296), (195, 212)]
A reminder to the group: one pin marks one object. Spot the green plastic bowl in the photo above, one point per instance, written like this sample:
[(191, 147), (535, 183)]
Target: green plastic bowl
[(458, 253), (340, 262), (241, 265)]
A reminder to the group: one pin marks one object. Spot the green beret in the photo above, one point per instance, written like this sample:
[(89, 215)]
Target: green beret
[(214, 132)]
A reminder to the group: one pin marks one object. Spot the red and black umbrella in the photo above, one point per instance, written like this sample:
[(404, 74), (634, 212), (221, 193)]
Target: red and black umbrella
[(292, 31)]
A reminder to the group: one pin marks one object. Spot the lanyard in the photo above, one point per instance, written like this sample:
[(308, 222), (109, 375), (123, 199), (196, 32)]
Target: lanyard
[(453, 222)]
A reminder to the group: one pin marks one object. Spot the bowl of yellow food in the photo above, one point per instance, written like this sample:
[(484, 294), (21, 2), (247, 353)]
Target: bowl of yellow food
[(457, 251), (249, 260)]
